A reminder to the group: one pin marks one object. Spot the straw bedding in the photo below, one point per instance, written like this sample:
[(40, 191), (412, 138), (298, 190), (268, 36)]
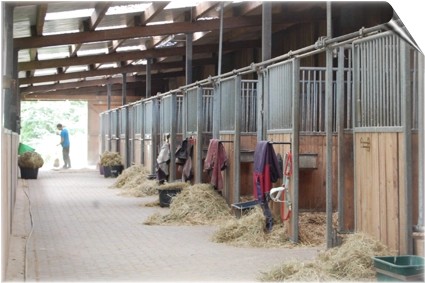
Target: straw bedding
[(198, 204), (352, 261), (249, 231), (134, 181)]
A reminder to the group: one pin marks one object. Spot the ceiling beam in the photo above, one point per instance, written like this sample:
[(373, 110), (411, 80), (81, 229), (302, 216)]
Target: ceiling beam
[(41, 14), (133, 55), (155, 67), (132, 32), (154, 9)]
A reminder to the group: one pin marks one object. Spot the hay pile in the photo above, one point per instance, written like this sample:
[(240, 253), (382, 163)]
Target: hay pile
[(249, 231), (30, 159), (199, 204), (312, 228), (352, 261), (109, 158), (134, 181), (129, 174)]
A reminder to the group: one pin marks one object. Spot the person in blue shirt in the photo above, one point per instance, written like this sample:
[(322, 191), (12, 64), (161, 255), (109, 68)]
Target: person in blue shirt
[(65, 145)]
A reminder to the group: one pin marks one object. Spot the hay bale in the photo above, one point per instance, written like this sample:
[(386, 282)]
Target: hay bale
[(249, 231), (352, 261), (199, 204)]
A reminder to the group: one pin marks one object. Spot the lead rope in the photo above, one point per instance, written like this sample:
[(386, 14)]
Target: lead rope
[(285, 197)]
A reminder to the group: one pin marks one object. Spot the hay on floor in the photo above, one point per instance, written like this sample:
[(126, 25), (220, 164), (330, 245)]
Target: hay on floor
[(249, 231), (130, 173), (198, 204), (352, 261)]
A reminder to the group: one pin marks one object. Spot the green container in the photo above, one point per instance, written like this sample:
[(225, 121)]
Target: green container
[(399, 268), (24, 148)]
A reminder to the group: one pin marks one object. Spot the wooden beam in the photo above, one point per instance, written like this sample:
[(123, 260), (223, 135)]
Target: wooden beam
[(133, 55), (98, 14), (132, 32), (203, 8), (156, 67), (154, 9), (41, 14)]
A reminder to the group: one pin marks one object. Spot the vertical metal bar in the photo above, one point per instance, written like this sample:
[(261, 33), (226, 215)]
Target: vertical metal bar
[(220, 44), (295, 145), (189, 55), (260, 106), (217, 110), (321, 110), (407, 143), (108, 95), (421, 141), (155, 131), (340, 129), (173, 136), (303, 107), (399, 85), (315, 101), (328, 127), (185, 113), (148, 78), (199, 131), (349, 88), (266, 31), (142, 132), (237, 141), (124, 89)]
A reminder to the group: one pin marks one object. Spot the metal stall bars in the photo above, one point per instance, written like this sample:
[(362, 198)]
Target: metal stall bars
[(171, 124), (104, 132), (237, 125), (150, 133), (137, 133), (383, 139), (198, 123), (281, 120), (114, 133), (123, 128)]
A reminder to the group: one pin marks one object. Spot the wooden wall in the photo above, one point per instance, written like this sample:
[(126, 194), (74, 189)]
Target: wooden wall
[(380, 189), (312, 182)]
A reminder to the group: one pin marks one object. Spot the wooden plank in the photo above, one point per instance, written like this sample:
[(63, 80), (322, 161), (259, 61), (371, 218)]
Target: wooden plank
[(401, 197), (391, 183), (383, 186), (373, 198)]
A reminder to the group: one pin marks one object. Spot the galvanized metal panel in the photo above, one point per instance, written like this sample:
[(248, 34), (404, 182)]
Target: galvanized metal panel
[(279, 108), (377, 74)]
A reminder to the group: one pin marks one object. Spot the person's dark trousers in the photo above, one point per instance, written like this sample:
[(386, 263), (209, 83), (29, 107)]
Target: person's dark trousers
[(66, 159)]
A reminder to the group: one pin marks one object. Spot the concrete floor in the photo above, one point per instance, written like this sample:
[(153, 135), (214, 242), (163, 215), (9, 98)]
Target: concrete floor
[(85, 231)]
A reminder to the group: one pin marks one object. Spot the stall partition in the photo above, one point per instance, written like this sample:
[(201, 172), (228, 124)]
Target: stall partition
[(170, 129), (197, 126), (235, 126)]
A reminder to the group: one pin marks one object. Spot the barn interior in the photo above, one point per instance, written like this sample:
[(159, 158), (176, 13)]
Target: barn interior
[(330, 84)]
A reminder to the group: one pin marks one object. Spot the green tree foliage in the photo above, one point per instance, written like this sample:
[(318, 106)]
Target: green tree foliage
[(39, 118)]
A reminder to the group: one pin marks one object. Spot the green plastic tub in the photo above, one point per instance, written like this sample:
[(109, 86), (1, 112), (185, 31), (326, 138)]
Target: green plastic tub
[(399, 268), (24, 148)]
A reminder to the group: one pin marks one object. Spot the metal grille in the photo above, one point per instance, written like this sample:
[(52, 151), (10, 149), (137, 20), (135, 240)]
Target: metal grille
[(147, 125), (279, 86), (415, 81), (138, 118), (114, 123), (122, 112), (312, 99), (207, 108), (227, 121), (249, 106), (191, 96), (377, 88), (165, 112)]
